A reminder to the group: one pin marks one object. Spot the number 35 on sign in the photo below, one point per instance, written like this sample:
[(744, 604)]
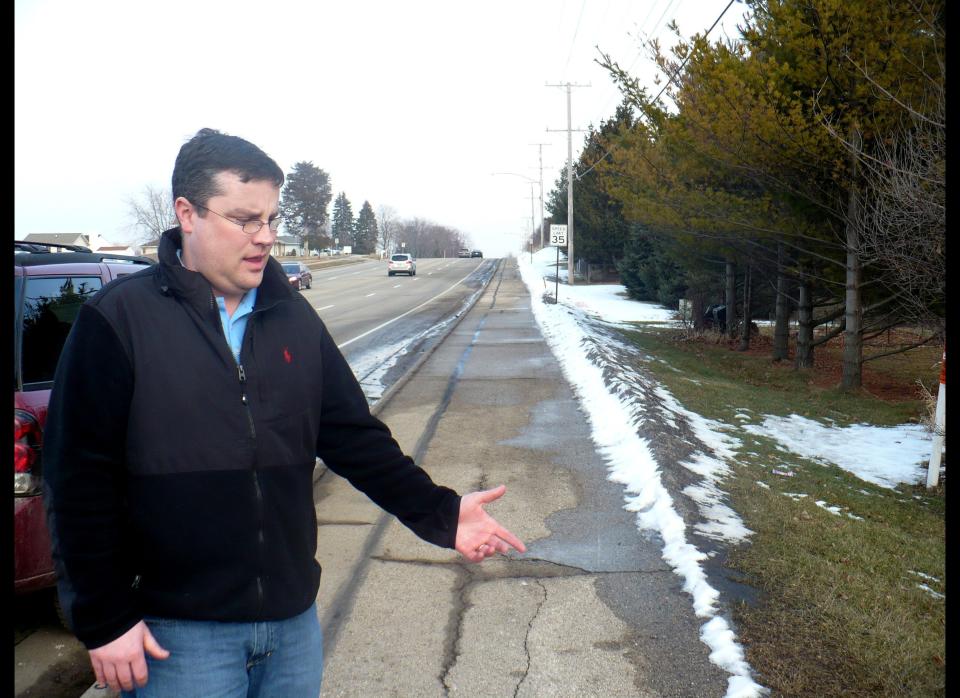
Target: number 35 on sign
[(558, 235)]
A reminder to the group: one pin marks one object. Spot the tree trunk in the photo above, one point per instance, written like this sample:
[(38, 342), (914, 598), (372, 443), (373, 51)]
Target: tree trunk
[(853, 334), (805, 327), (781, 329), (697, 312), (745, 332), (731, 300)]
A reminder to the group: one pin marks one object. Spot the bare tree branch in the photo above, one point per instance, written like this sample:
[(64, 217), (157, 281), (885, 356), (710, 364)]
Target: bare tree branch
[(151, 213)]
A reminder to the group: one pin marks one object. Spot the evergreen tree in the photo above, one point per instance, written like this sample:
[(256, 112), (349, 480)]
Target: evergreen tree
[(365, 232), (303, 204), (342, 229)]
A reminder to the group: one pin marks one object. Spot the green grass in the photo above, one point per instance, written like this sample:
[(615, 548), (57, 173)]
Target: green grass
[(840, 610)]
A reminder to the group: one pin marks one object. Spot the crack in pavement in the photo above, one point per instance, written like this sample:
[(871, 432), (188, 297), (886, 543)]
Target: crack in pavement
[(451, 644), (526, 638), (530, 568)]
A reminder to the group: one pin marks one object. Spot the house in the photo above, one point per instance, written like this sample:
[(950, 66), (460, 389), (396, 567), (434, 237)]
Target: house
[(286, 246), (117, 249), (59, 239), (149, 249)]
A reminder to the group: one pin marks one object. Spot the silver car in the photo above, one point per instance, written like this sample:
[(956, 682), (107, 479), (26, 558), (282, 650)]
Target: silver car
[(402, 264)]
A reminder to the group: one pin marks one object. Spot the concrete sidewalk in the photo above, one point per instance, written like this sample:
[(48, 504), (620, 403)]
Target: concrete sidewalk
[(590, 610)]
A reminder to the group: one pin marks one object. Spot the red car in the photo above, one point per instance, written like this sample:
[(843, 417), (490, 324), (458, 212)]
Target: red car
[(49, 288), (298, 274)]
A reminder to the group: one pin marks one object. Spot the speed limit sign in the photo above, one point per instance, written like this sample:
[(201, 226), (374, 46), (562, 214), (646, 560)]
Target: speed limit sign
[(558, 235)]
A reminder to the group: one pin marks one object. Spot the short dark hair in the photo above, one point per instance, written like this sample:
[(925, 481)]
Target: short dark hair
[(211, 152)]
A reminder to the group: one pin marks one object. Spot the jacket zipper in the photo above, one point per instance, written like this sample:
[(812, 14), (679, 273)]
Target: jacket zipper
[(242, 375)]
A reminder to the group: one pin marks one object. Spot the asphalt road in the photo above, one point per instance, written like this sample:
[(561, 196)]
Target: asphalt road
[(380, 320), (377, 321)]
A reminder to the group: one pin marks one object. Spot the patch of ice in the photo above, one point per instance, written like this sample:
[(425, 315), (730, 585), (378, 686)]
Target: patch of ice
[(934, 594), (884, 456), (836, 511)]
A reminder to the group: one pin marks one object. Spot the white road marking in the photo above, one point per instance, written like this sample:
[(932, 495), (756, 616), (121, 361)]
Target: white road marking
[(326, 307), (370, 294), (397, 286), (381, 326)]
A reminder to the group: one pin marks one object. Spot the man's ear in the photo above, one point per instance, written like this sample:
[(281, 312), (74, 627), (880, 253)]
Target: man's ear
[(186, 214)]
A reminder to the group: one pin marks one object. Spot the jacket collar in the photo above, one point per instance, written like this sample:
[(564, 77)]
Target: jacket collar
[(176, 279)]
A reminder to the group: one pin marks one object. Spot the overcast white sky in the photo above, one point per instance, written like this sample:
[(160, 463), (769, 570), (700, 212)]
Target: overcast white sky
[(411, 104)]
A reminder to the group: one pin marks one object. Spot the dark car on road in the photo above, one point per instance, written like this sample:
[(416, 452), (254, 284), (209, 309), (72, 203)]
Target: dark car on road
[(48, 289), (298, 274), (476, 253)]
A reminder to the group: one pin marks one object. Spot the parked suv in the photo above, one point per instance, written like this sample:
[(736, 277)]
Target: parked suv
[(48, 290), (402, 264)]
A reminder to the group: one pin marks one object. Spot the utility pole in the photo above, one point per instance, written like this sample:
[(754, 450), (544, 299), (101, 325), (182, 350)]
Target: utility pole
[(570, 131), (533, 222), (542, 233)]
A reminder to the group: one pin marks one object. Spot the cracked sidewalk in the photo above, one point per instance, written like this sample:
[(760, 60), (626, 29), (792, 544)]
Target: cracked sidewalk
[(590, 610)]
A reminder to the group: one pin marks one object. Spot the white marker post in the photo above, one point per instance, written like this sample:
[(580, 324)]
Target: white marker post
[(939, 427), (558, 238)]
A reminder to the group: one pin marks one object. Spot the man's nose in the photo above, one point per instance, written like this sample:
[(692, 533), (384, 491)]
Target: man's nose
[(264, 237)]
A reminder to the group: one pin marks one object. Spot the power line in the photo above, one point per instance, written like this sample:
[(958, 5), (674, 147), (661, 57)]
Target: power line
[(665, 85), (641, 25), (656, 27), (574, 40)]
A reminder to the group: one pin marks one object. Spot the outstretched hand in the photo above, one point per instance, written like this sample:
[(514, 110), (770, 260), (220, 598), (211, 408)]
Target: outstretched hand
[(479, 536)]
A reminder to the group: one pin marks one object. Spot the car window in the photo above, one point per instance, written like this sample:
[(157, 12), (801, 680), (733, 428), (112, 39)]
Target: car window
[(291, 268), (50, 306), (400, 257)]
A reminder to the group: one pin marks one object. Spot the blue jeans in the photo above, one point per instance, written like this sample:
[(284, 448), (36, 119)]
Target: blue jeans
[(209, 659)]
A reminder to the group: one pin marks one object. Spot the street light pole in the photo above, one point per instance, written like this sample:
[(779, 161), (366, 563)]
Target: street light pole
[(533, 223), (543, 241), (532, 220)]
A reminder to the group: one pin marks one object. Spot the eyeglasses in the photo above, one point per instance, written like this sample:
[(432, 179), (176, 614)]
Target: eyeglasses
[(251, 227)]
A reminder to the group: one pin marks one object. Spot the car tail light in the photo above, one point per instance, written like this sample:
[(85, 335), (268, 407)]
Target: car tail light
[(26, 453)]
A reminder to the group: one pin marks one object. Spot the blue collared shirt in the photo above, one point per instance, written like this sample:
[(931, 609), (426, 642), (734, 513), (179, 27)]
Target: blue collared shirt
[(234, 327)]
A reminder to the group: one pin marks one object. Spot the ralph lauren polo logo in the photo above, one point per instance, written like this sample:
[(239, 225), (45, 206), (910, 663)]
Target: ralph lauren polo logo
[(287, 356)]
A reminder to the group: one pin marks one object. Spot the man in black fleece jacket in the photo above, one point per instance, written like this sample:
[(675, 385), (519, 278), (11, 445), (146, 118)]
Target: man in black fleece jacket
[(189, 406)]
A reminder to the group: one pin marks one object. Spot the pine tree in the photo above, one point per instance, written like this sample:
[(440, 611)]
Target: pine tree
[(303, 205), (365, 231), (342, 228)]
